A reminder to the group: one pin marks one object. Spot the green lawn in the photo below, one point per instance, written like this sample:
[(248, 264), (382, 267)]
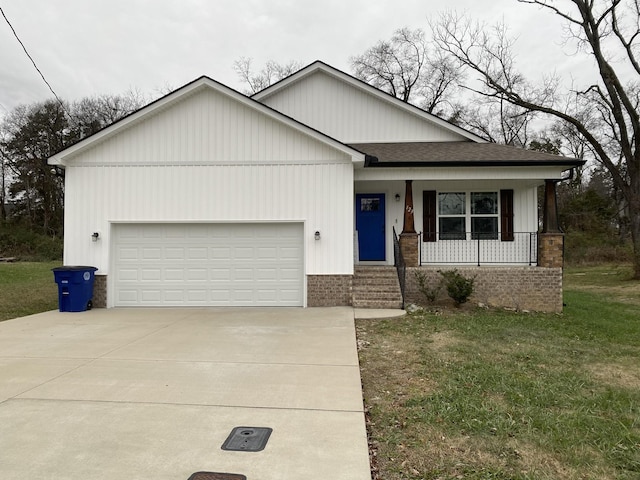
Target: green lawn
[(499, 395), (27, 288)]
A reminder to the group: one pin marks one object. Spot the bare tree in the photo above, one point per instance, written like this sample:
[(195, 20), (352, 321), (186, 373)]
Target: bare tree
[(604, 110), (30, 134), (91, 114), (498, 121), (408, 67), (268, 75)]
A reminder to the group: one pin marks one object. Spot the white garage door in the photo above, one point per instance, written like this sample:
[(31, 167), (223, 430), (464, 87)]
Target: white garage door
[(208, 264)]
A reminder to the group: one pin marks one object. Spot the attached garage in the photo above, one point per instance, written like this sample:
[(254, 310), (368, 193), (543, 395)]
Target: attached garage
[(206, 197), (208, 264)]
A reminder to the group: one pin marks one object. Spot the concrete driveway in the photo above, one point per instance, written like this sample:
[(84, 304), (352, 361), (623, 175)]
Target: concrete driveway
[(153, 394)]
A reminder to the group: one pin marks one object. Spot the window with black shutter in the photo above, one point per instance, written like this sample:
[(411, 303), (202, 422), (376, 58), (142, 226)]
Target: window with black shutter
[(429, 215), (506, 216)]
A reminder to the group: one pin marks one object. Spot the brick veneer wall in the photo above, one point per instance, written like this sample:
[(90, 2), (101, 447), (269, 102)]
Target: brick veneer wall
[(521, 288), (329, 290), (100, 291)]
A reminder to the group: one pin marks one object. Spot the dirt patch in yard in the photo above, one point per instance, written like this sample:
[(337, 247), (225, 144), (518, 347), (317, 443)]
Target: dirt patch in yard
[(624, 376), (443, 342)]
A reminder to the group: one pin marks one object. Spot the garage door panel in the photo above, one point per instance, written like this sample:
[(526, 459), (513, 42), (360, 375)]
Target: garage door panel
[(151, 296), (174, 295), (151, 275), (127, 296), (208, 264), (174, 253), (152, 253), (128, 253)]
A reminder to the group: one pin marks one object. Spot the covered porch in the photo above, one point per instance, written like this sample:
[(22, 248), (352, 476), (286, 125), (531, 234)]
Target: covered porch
[(489, 225), (457, 203)]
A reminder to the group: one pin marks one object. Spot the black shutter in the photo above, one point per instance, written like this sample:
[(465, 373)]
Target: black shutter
[(506, 215), (429, 215)]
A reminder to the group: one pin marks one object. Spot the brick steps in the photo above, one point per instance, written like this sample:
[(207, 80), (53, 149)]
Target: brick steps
[(376, 287)]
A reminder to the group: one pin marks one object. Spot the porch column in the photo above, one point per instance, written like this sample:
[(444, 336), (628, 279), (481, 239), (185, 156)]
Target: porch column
[(408, 225), (409, 240), (550, 210), (551, 240)]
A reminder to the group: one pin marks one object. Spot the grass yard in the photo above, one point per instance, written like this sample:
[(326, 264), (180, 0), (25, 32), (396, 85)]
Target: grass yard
[(27, 288), (499, 395)]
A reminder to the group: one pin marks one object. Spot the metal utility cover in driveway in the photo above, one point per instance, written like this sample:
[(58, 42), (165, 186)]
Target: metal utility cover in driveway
[(216, 476), (247, 439)]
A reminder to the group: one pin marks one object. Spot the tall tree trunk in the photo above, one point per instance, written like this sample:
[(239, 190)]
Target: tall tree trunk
[(634, 226)]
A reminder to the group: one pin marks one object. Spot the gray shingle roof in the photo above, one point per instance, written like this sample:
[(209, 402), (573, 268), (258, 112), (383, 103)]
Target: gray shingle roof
[(462, 154)]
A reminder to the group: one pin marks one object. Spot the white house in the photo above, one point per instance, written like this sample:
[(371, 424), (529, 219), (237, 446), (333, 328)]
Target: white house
[(208, 197)]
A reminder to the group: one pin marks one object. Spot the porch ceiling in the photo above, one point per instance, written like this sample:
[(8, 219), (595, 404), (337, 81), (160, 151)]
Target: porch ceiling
[(459, 154)]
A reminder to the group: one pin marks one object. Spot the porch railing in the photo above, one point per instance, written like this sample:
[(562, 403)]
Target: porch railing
[(398, 261), (475, 250)]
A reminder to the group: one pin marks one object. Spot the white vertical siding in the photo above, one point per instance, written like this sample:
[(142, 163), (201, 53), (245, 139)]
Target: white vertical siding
[(319, 195), (352, 115), (211, 158), (206, 128)]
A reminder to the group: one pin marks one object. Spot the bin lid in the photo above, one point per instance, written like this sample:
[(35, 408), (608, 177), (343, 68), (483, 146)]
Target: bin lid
[(73, 268)]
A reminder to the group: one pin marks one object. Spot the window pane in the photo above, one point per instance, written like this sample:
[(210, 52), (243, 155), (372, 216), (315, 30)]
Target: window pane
[(451, 203), (452, 228), (484, 203), (484, 228), (369, 204)]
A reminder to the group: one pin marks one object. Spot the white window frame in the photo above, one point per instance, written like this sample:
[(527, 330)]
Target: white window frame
[(468, 216)]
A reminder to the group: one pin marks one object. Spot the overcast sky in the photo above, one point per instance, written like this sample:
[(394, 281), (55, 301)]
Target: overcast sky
[(91, 47)]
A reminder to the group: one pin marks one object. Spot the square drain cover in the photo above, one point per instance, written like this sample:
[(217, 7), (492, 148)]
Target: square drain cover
[(216, 476), (247, 439)]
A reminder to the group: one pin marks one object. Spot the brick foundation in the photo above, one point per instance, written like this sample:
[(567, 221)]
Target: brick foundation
[(329, 290), (100, 291), (551, 250), (520, 288)]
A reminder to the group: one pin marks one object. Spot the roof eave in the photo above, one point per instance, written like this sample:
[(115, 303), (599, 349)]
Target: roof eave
[(375, 163)]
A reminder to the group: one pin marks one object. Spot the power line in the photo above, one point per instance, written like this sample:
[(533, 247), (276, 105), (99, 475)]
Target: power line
[(32, 61)]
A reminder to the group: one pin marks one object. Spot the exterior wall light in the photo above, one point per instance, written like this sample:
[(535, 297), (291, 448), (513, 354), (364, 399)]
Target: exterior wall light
[(317, 235), (397, 197), (95, 236)]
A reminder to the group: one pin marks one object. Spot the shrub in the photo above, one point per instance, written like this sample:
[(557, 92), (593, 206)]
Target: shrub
[(459, 287), (430, 293)]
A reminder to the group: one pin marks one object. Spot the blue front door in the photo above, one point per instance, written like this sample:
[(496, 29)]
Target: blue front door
[(370, 226)]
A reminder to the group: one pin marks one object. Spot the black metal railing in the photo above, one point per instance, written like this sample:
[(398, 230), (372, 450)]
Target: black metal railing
[(479, 250), (398, 261)]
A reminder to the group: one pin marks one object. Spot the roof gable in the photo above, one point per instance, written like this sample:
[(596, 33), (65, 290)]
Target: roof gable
[(353, 111), (194, 125)]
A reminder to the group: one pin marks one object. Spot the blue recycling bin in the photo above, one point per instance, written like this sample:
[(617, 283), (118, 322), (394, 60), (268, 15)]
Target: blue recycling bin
[(75, 287)]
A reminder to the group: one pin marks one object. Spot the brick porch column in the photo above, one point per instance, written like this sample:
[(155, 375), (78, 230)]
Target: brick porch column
[(551, 240), (409, 240), (551, 250), (409, 246)]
